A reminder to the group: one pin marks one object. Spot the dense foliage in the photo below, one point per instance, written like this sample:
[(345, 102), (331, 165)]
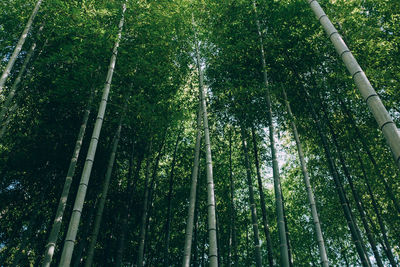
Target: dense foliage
[(155, 98)]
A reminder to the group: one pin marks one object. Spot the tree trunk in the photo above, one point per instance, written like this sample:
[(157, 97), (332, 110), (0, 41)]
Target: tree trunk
[(76, 262), (80, 197), (196, 233), (18, 48), (212, 230), (232, 208), (192, 196), (169, 211), (357, 199), (310, 194), (103, 198), (376, 207), (146, 200), (257, 249), (262, 200), (55, 229), (287, 232), (275, 167), (127, 215), (7, 103), (203, 260), (142, 234), (379, 174), (342, 197), (368, 93)]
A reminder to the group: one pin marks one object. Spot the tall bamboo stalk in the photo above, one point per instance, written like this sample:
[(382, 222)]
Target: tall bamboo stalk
[(169, 211), (388, 248), (18, 47), (233, 237), (382, 117), (378, 172), (284, 253), (357, 199), (142, 233), (103, 198), (262, 200), (310, 194), (129, 193), (149, 186), (80, 197), (212, 229), (13, 90), (192, 197), (354, 231), (253, 210), (52, 241)]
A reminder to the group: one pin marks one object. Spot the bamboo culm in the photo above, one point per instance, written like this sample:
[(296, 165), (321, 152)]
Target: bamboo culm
[(357, 200), (142, 234), (103, 198), (127, 215), (169, 211), (192, 197), (87, 169), (253, 210), (342, 197), (18, 47), (284, 253), (262, 201), (310, 194), (379, 174), (376, 207), (382, 117), (52, 240), (232, 208), (7, 103), (212, 229)]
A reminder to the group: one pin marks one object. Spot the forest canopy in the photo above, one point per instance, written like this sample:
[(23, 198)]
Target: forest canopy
[(199, 133)]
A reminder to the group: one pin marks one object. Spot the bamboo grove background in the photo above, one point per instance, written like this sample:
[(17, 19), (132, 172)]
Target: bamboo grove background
[(145, 62)]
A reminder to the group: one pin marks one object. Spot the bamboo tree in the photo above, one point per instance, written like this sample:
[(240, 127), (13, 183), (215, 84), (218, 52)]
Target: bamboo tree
[(169, 200), (80, 197), (378, 172), (262, 201), (142, 234), (287, 231), (192, 197), (212, 230), (257, 244), (103, 198), (149, 186), (339, 187), (384, 120), (18, 47), (76, 260), (196, 230), (128, 207), (388, 248), (55, 229), (13, 90), (310, 194), (275, 167), (357, 199), (232, 231)]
